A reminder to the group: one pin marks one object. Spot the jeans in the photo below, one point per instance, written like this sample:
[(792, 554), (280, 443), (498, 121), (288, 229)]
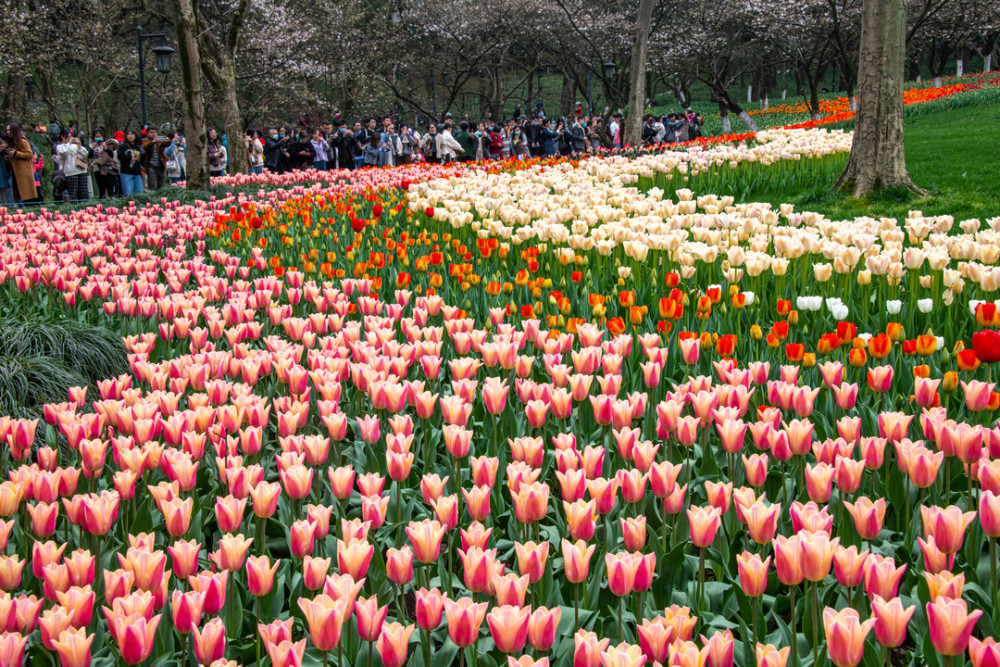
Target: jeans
[(131, 184), (359, 161), (259, 169), (319, 165)]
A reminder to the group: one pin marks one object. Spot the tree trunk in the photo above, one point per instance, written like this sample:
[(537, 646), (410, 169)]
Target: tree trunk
[(637, 74), (877, 157), (814, 111), (236, 149), (15, 99), (194, 106), (48, 96), (566, 96), (727, 124)]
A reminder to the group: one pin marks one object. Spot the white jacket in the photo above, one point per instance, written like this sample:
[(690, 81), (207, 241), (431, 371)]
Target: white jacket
[(67, 157)]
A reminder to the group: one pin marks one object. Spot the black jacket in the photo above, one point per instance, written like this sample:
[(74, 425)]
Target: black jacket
[(130, 158), (272, 153), (301, 155)]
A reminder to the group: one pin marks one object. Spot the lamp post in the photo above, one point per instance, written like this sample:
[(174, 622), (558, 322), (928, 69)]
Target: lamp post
[(609, 77), (163, 63)]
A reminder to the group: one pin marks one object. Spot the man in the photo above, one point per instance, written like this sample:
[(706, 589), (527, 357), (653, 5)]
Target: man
[(464, 139), (549, 137), (154, 160), (272, 150), (447, 145), (327, 129), (578, 135), (533, 131), (343, 144)]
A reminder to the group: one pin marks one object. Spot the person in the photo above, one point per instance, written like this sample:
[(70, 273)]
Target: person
[(130, 164), (533, 134), (18, 154), (255, 151), (321, 150), (362, 136), (38, 163), (216, 154), (344, 143), (549, 138), (464, 139), (696, 124), (407, 142), (615, 130), (389, 145), (578, 135), (648, 131), (272, 150), (373, 152), (301, 154), (519, 143), (106, 170), (448, 144), (496, 142), (682, 132), (74, 159), (154, 160), (5, 174), (176, 154), (507, 137), (659, 130), (429, 145), (480, 144)]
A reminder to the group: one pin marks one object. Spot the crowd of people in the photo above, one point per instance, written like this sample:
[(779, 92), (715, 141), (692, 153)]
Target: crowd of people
[(131, 162)]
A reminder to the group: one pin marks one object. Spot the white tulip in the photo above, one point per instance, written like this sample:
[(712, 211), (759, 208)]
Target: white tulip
[(925, 305), (893, 306), (749, 297)]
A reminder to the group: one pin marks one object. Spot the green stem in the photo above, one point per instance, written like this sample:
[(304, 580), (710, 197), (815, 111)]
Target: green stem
[(993, 569), (620, 638), (815, 623), (794, 628)]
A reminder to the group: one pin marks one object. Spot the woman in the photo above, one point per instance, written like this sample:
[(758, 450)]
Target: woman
[(255, 150), (107, 173), (176, 154), (519, 143), (480, 144), (407, 144), (19, 155), (130, 156), (74, 158), (216, 154)]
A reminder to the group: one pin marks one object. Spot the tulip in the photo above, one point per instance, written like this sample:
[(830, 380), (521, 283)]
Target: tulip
[(314, 571), (623, 655), (531, 559), (542, 627), (947, 526), (587, 648), (753, 573), (185, 610), (868, 516), (509, 627), (210, 642), (951, 625), (718, 651), (464, 620), (12, 648), (260, 575), (768, 656), (399, 565), (849, 565), (882, 577), (845, 636), (135, 637), (890, 621), (370, 618), (985, 653), (704, 524), (392, 644), (325, 619), (425, 537), (655, 638), (73, 647)]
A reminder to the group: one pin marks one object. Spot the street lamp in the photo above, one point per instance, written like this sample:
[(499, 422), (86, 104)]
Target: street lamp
[(609, 78), (163, 64)]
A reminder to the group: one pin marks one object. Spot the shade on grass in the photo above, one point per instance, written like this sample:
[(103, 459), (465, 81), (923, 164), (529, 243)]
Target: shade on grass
[(955, 156)]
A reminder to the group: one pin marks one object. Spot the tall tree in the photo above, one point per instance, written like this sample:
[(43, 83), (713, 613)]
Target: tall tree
[(194, 105), (218, 63), (877, 157), (637, 83)]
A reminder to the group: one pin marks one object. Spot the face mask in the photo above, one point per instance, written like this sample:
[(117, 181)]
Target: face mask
[(281, 136), (478, 133)]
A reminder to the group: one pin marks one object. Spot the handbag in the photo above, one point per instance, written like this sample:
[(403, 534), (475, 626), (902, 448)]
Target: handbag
[(80, 162), (171, 165)]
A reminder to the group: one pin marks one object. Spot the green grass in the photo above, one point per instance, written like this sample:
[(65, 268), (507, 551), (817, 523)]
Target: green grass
[(954, 156)]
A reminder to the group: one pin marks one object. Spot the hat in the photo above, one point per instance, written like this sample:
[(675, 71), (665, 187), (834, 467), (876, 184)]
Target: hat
[(111, 144), (119, 135)]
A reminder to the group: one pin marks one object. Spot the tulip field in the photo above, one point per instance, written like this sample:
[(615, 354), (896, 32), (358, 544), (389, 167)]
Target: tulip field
[(596, 412)]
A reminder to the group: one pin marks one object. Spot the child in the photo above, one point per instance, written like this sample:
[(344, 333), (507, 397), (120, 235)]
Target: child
[(372, 152)]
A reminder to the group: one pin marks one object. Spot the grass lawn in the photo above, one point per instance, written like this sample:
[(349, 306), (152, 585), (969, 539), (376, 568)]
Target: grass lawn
[(955, 156)]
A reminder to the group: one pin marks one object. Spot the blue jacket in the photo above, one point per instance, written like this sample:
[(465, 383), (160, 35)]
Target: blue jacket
[(550, 141)]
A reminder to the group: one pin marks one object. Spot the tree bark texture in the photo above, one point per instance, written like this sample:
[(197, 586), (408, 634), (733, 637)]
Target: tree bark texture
[(637, 75), (194, 105), (877, 158)]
